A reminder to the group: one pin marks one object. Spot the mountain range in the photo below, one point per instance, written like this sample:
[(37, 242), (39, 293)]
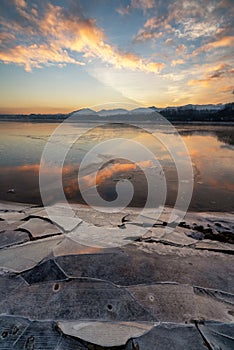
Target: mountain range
[(188, 113), (148, 110)]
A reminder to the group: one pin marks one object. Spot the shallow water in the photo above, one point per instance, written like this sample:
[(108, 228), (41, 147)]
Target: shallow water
[(211, 149)]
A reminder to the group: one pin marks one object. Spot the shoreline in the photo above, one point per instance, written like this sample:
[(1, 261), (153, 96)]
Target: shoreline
[(177, 122)]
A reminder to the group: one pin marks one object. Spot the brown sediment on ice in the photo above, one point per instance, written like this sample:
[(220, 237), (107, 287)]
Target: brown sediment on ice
[(96, 280)]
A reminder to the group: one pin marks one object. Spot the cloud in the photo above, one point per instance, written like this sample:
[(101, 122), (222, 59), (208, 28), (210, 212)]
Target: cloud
[(62, 36), (143, 4), (193, 29), (223, 42), (169, 42), (153, 28), (123, 10), (225, 89), (175, 62), (112, 170), (181, 49), (188, 21), (36, 56), (221, 72), (143, 35), (20, 3)]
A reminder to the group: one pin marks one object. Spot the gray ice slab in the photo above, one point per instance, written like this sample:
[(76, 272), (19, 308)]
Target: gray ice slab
[(11, 217), (104, 237), (77, 299), (178, 303), (215, 294), (7, 226), (112, 265), (69, 343), (39, 336), (214, 245), (168, 337), (155, 233), (54, 210), (45, 271), (70, 247), (177, 237), (106, 334), (218, 335), (168, 302), (12, 206), (11, 328), (8, 285), (26, 256), (10, 238), (40, 228), (99, 218), (132, 265), (61, 216), (188, 266)]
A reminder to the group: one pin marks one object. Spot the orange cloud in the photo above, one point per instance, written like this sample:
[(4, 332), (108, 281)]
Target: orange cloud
[(223, 42), (92, 180), (181, 49), (175, 62), (36, 55), (225, 89), (64, 36), (21, 3), (154, 28), (203, 82), (217, 73), (35, 168)]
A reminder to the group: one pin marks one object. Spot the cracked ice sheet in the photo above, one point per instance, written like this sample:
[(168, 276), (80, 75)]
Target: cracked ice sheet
[(40, 336), (70, 247), (40, 228), (99, 218), (226, 219), (104, 237), (75, 299), (26, 256), (13, 328), (218, 335), (110, 218), (12, 217), (5, 226), (106, 334), (167, 336), (177, 236), (215, 294), (207, 244), (12, 206), (61, 216), (178, 303), (10, 238), (188, 266)]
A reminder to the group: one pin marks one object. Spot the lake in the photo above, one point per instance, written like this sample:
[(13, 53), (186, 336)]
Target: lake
[(211, 149)]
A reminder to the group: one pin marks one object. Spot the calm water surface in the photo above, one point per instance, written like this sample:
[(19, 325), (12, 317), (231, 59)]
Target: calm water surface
[(211, 149)]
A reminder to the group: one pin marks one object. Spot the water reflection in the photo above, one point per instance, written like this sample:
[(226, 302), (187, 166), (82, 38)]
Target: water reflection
[(211, 150)]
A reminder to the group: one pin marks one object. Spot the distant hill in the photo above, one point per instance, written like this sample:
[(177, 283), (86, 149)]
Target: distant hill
[(187, 113)]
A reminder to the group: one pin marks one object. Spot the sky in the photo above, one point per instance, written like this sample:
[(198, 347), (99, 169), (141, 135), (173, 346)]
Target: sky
[(57, 56)]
